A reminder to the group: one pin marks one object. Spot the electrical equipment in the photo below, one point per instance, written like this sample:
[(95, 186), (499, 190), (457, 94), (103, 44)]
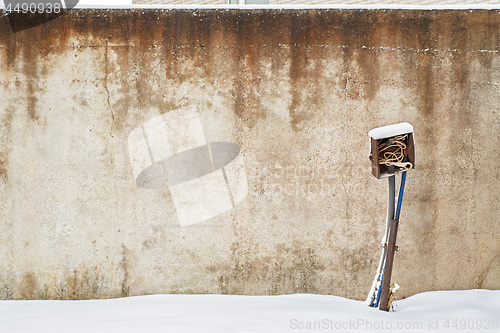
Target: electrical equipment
[(392, 149)]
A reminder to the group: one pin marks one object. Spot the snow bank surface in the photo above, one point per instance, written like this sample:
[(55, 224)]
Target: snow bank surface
[(441, 311)]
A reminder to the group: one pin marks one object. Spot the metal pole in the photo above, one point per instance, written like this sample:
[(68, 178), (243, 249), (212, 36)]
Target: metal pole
[(391, 248), (386, 277)]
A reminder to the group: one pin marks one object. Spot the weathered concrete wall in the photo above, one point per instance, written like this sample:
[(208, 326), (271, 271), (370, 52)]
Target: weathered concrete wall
[(298, 90)]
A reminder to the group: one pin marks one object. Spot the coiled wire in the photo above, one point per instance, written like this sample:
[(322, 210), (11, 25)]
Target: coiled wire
[(392, 151)]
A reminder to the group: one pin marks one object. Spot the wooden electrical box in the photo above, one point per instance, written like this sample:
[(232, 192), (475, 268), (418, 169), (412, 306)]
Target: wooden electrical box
[(392, 147)]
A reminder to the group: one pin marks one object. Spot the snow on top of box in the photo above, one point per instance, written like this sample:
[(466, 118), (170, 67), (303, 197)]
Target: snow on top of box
[(390, 130)]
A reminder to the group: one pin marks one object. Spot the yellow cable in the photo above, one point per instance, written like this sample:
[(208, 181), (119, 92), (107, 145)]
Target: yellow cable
[(392, 152)]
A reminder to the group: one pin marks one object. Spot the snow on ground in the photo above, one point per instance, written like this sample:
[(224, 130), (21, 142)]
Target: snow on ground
[(439, 311)]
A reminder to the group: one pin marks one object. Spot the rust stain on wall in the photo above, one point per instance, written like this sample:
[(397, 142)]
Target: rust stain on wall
[(288, 269), (28, 287), (181, 33)]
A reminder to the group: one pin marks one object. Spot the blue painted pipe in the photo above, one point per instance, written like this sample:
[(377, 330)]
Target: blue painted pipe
[(400, 196), (375, 305)]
